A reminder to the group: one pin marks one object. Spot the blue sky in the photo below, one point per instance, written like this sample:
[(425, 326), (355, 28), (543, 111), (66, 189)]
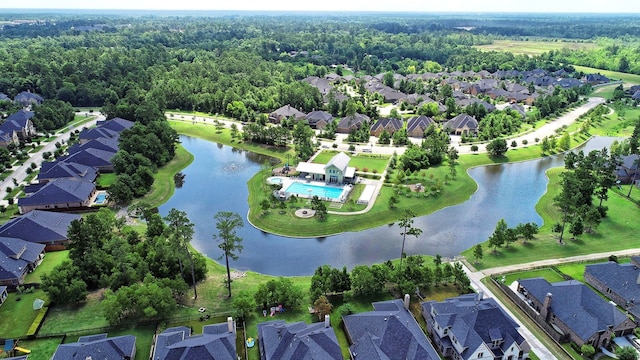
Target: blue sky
[(592, 6)]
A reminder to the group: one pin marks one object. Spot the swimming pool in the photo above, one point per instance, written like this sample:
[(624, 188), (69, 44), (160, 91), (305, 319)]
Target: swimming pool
[(101, 198), (310, 190)]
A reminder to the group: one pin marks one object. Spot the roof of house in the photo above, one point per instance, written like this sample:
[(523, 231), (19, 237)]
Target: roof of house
[(354, 120), (105, 144), (395, 124), (421, 121), (3, 289), (116, 124), (630, 161), (576, 305), (16, 121), (474, 321), (60, 191), (620, 278), (287, 111), (39, 226), (54, 170), (388, 332), (318, 115), (215, 343), (90, 157), (340, 160), (461, 121), (297, 341), (15, 257), (98, 132), (97, 347), (466, 102), (26, 96), (4, 96)]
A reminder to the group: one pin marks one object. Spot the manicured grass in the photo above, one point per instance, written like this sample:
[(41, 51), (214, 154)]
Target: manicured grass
[(620, 123), (614, 75), (16, 316), (163, 186), (373, 163), (51, 260), (547, 273), (41, 349), (61, 319), (105, 180), (618, 231), (518, 47), (576, 270)]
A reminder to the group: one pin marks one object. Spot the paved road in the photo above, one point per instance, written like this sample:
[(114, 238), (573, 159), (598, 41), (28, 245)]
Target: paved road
[(20, 172)]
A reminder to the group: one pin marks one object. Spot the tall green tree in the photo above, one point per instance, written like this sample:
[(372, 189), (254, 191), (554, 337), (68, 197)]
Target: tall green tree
[(498, 238), (406, 224), (229, 242), (180, 233)]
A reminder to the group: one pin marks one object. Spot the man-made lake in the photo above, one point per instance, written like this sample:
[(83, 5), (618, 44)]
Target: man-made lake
[(216, 181)]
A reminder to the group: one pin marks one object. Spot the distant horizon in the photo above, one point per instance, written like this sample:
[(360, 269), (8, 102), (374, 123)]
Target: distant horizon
[(373, 6)]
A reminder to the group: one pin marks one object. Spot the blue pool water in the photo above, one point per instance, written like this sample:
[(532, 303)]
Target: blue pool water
[(100, 199), (308, 190)]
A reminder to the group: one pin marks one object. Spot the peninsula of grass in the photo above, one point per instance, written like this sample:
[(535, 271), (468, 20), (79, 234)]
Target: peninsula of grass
[(163, 186), (618, 231)]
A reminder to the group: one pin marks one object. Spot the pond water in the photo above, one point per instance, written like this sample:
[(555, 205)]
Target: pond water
[(216, 181)]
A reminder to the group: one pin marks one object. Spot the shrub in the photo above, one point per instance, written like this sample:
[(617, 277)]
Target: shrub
[(37, 322), (525, 142), (375, 171), (365, 169)]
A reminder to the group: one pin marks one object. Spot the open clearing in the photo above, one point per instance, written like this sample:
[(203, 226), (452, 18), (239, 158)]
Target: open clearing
[(519, 47)]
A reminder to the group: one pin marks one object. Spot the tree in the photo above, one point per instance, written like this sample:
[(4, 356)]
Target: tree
[(279, 291), (477, 252), (150, 299), (627, 353), (64, 285), (322, 306), (565, 142), (406, 223), (180, 232), (497, 147), (230, 243), (243, 304), (367, 280), (498, 238), (474, 148), (588, 350)]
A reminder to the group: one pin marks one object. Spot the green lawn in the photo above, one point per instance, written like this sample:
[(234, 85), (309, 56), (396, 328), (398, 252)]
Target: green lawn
[(41, 349), (163, 186), (533, 47), (61, 319), (372, 163), (105, 180), (547, 273), (16, 316), (51, 260)]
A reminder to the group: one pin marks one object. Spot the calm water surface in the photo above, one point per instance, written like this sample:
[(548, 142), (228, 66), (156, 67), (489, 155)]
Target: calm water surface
[(216, 181)]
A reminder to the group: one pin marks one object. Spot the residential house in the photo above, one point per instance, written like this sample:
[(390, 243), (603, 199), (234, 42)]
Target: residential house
[(17, 259), (3, 294), (21, 123), (337, 170), (99, 159), (389, 124), (27, 98), (50, 171), (105, 144), (318, 119), (517, 108), (98, 347), (387, 332), (498, 93), (466, 102), (4, 97), (627, 172), (59, 194), (96, 133), (323, 85), (618, 282), (471, 327), (42, 227), (595, 79), (462, 124), (217, 342), (352, 122), (116, 124), (286, 112), (568, 83), (417, 125), (298, 341), (573, 309), (9, 138)]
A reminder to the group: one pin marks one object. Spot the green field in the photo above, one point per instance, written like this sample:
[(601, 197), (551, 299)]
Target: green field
[(362, 162), (534, 47), (546, 273), (17, 314)]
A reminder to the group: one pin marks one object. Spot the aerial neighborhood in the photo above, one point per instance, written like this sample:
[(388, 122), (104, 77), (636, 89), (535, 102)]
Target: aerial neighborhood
[(297, 186)]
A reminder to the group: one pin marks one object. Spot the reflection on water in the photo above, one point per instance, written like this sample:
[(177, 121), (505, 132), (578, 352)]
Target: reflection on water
[(217, 182)]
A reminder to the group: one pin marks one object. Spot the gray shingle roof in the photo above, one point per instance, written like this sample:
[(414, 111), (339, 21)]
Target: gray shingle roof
[(576, 305), (215, 343), (98, 132), (622, 279), (461, 121), (16, 256), (394, 124), (298, 341), (420, 121), (105, 144), (98, 347), (39, 226), (16, 121), (54, 170), (116, 124), (90, 157), (389, 332), (60, 191)]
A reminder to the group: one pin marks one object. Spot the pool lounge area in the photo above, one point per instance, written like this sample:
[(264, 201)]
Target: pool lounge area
[(308, 189), (100, 199)]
